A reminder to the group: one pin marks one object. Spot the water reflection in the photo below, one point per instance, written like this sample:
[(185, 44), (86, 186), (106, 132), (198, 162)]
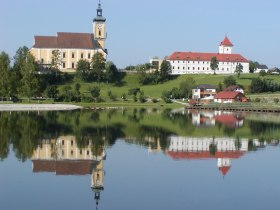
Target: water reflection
[(63, 156), (74, 143)]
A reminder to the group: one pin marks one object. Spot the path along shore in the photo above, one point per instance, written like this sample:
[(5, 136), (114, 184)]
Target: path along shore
[(38, 107)]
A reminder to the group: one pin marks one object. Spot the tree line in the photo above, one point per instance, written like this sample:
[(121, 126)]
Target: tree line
[(25, 78)]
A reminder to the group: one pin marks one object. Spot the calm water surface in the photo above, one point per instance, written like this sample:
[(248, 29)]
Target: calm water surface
[(139, 159)]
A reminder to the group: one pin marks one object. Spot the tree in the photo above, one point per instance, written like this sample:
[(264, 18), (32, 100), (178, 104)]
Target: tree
[(165, 70), (52, 91), (16, 74), (56, 60), (185, 87), (111, 72), (252, 66), (262, 73), (29, 80), (83, 70), (95, 92), (4, 72), (229, 80), (214, 64), (239, 69), (98, 66)]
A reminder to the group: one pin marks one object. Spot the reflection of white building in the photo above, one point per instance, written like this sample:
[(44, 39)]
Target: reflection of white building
[(211, 118), (190, 148)]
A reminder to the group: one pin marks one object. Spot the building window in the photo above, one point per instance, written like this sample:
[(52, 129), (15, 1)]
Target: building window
[(72, 142), (72, 152), (81, 152), (99, 32), (64, 55), (178, 68), (63, 142), (63, 65), (188, 68), (87, 152), (203, 68), (173, 67), (193, 68), (183, 68), (88, 55), (73, 65), (73, 55), (197, 68), (82, 55)]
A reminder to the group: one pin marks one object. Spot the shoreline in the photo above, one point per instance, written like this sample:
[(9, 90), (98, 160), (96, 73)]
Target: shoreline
[(38, 107)]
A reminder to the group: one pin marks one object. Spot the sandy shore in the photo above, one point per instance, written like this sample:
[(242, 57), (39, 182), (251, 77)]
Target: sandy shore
[(37, 107)]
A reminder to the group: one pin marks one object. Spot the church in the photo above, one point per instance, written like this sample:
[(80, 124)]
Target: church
[(71, 47), (199, 63)]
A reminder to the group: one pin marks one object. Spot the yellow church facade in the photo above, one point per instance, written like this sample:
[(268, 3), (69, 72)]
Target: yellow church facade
[(69, 48)]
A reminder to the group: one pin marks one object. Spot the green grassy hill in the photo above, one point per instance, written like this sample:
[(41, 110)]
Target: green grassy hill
[(155, 91)]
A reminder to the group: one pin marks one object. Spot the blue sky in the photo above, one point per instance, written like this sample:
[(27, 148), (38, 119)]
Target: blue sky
[(139, 30)]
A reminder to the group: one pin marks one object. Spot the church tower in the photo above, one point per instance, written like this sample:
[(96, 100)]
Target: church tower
[(225, 46), (99, 28)]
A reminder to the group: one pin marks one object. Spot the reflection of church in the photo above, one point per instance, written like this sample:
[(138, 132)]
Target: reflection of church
[(223, 149), (62, 156)]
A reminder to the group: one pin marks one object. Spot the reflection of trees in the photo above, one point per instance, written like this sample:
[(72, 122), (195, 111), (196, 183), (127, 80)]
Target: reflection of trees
[(99, 135), (155, 133), (261, 128)]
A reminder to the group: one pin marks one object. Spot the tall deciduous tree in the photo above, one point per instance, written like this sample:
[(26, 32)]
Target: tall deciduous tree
[(229, 80), (98, 66), (29, 79), (111, 72), (239, 69), (165, 70), (83, 70), (56, 60), (185, 87), (4, 74), (252, 66), (214, 64)]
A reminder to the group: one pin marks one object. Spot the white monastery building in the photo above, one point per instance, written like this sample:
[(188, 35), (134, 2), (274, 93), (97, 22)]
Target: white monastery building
[(199, 63)]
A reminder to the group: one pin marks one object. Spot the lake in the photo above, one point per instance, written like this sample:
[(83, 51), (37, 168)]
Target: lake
[(139, 159)]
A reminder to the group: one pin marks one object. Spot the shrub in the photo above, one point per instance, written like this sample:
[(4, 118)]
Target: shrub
[(154, 100), (257, 100), (276, 100)]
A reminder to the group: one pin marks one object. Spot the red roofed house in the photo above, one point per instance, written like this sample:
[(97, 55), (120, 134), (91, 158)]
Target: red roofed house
[(229, 97), (199, 63), (71, 47)]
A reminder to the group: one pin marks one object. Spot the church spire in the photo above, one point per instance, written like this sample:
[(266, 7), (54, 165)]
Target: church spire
[(99, 17)]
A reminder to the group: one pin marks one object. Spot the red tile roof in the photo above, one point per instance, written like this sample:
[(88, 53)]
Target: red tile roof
[(196, 56), (66, 40), (228, 95), (226, 42)]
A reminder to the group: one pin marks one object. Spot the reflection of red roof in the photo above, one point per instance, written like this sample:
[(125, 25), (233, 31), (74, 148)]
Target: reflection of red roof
[(204, 155), (226, 119), (195, 56), (228, 95), (65, 167), (226, 42), (224, 169)]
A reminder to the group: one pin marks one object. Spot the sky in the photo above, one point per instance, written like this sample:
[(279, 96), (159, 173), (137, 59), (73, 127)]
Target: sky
[(140, 30)]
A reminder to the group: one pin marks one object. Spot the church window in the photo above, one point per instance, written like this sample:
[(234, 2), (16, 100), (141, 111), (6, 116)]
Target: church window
[(82, 55), (73, 55)]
